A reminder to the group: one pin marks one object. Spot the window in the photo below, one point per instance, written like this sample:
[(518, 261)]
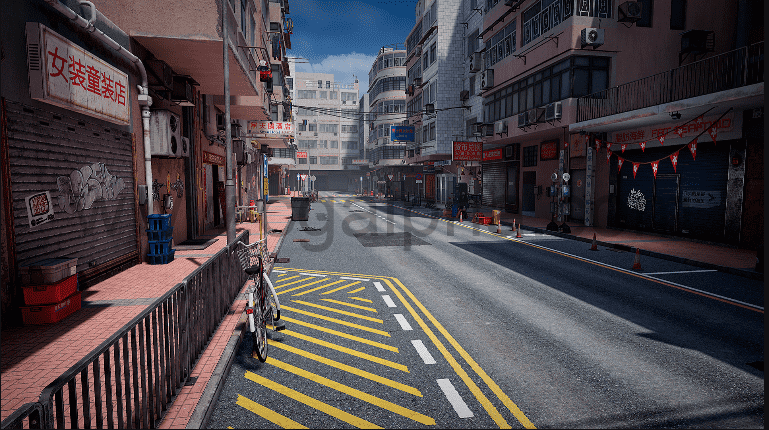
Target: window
[(301, 126), (678, 14), (312, 127), (328, 84), (647, 8), (425, 60), (306, 144), (306, 94), (306, 112), (253, 31), (472, 85), (333, 144), (323, 144), (320, 84), (290, 82), (432, 131), (501, 45), (327, 160), (333, 95), (490, 4), (432, 53), (243, 27), (350, 97), (472, 43), (351, 145), (530, 156), (301, 161), (323, 94), (313, 160)]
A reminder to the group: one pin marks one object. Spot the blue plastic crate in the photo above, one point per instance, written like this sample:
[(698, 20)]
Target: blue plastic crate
[(158, 222), (162, 258), (159, 247), (155, 235)]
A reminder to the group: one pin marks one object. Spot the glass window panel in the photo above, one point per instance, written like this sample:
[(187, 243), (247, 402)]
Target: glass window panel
[(581, 82), (530, 97), (581, 61), (546, 91), (515, 109), (565, 86), (599, 80), (600, 62), (538, 94), (555, 89)]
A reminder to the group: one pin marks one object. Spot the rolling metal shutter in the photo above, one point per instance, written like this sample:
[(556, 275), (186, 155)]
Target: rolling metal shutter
[(87, 168), (494, 177)]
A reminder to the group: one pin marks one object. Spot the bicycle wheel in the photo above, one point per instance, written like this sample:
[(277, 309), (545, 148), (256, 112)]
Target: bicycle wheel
[(274, 312), (260, 320)]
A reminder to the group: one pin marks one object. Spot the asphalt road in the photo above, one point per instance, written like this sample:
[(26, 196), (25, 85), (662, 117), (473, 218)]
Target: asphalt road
[(492, 331)]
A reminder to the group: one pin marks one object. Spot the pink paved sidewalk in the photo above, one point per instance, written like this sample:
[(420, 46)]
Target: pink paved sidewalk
[(34, 356)]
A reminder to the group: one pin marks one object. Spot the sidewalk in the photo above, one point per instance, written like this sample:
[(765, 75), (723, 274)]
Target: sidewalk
[(709, 255), (34, 356)]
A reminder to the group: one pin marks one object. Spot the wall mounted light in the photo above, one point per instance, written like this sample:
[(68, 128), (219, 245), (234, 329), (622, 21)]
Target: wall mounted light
[(675, 115)]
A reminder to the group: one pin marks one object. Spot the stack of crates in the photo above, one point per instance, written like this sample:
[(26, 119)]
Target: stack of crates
[(50, 290), (159, 235)]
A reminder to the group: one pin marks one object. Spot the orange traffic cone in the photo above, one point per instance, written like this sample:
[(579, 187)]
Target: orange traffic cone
[(460, 216), (595, 244), (637, 262), (499, 227), (513, 224), (518, 236)]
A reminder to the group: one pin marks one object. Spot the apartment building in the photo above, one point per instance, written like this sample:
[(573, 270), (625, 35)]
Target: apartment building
[(650, 107), (326, 117), (115, 110)]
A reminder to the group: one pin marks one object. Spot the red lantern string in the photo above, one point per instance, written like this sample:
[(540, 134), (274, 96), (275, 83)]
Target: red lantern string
[(674, 159), (608, 156), (643, 146), (662, 139), (655, 165), (620, 160), (693, 148), (624, 145), (635, 169)]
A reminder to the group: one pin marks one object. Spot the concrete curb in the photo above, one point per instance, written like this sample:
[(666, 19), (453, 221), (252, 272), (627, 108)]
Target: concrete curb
[(205, 407)]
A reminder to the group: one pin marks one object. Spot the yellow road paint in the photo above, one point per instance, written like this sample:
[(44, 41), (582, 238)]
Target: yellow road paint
[(356, 291), (519, 415), (350, 305), (282, 274), (346, 350), (311, 402), (285, 279), (361, 299), (294, 282), (376, 401), (344, 367), (482, 399), (341, 288), (334, 320), (341, 334), (268, 414), (304, 285), (323, 201), (351, 314), (318, 288)]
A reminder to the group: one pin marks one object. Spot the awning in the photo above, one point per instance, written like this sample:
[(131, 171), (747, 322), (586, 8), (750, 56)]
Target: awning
[(431, 157), (271, 142)]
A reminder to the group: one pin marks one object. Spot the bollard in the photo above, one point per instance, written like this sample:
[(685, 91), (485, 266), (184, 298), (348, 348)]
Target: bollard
[(518, 236), (637, 262)]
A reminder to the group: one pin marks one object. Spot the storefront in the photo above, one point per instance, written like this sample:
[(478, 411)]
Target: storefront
[(213, 190)]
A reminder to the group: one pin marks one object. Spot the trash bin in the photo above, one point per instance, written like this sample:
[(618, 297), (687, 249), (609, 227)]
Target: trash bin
[(300, 208), (495, 216)]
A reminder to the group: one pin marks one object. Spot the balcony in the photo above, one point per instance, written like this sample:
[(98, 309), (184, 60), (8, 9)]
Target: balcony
[(742, 68)]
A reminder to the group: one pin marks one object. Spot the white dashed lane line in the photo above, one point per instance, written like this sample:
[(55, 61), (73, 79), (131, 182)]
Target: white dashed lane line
[(402, 321), (379, 287), (423, 352), (352, 279), (455, 399), (389, 301)]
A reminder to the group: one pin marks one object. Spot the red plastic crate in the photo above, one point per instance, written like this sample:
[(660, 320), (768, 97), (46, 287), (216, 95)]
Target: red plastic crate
[(49, 314), (484, 220), (50, 293)]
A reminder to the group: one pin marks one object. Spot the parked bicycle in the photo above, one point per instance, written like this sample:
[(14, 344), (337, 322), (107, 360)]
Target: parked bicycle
[(263, 308)]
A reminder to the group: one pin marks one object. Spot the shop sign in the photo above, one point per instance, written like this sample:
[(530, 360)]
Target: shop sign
[(728, 127), (39, 208), (467, 151), (359, 162), (402, 133), (700, 199), (269, 127), (547, 150), (493, 154), (64, 74), (301, 154), (211, 158)]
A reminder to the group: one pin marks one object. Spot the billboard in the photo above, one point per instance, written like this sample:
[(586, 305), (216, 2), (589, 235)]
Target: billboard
[(467, 151), (401, 133)]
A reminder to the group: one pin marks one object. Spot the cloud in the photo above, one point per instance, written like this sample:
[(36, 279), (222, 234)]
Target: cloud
[(345, 68)]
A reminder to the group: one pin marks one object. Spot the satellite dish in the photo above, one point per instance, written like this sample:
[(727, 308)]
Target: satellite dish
[(554, 177), (566, 177)]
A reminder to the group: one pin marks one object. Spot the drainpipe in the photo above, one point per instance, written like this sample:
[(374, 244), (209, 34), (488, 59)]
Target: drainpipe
[(145, 101)]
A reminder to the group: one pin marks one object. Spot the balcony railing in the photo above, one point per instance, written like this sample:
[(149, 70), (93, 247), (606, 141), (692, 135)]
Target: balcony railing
[(733, 69)]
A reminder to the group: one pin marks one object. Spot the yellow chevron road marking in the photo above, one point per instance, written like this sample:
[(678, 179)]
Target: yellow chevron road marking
[(376, 401), (304, 285), (351, 314), (341, 288), (354, 370), (346, 350), (295, 282), (318, 288), (356, 291), (268, 414), (342, 334), (334, 320), (350, 305), (311, 402), (285, 279), (361, 299)]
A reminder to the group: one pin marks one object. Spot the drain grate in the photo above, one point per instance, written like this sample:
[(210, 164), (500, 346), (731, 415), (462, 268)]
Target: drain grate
[(309, 229), (389, 239)]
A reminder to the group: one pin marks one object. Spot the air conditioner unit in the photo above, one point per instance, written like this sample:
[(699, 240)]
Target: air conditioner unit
[(464, 95), (553, 111), (592, 37), (488, 129), (478, 129), (476, 62), (165, 134), (535, 115), (500, 127), (523, 119), (344, 102), (417, 81), (182, 93), (185, 150), (630, 11), (487, 79), (163, 72)]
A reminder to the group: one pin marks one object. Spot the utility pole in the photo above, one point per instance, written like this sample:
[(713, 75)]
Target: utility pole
[(229, 185)]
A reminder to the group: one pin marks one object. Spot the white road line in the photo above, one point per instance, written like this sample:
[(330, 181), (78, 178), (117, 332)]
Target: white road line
[(402, 321), (379, 287), (313, 274), (389, 301), (352, 279), (455, 399), (279, 271), (387, 220), (681, 271), (423, 352)]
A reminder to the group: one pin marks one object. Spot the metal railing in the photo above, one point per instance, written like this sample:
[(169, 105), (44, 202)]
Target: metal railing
[(733, 69), (143, 366)]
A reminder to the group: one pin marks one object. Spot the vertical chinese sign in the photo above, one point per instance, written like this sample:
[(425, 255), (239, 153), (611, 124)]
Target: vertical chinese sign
[(66, 75)]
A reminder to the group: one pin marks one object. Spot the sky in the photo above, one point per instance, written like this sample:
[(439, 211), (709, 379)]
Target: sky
[(344, 37)]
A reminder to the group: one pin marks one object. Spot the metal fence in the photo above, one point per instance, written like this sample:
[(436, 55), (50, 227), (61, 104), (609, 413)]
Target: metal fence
[(733, 69), (131, 378)]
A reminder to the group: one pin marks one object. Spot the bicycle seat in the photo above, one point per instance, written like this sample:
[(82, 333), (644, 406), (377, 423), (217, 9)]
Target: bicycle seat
[(253, 270)]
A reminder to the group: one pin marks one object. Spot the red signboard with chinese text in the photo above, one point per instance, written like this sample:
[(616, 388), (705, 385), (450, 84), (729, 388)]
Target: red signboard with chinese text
[(301, 154), (269, 127), (548, 150), (467, 151), (494, 154), (211, 158)]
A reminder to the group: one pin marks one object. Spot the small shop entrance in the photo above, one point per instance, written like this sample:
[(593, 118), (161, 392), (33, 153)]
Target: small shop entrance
[(528, 198)]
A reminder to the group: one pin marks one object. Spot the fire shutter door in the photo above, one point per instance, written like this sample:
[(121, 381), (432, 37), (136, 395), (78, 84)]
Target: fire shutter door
[(72, 182), (494, 177)]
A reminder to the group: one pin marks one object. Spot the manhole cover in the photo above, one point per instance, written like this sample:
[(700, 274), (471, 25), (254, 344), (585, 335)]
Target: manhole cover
[(389, 239)]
